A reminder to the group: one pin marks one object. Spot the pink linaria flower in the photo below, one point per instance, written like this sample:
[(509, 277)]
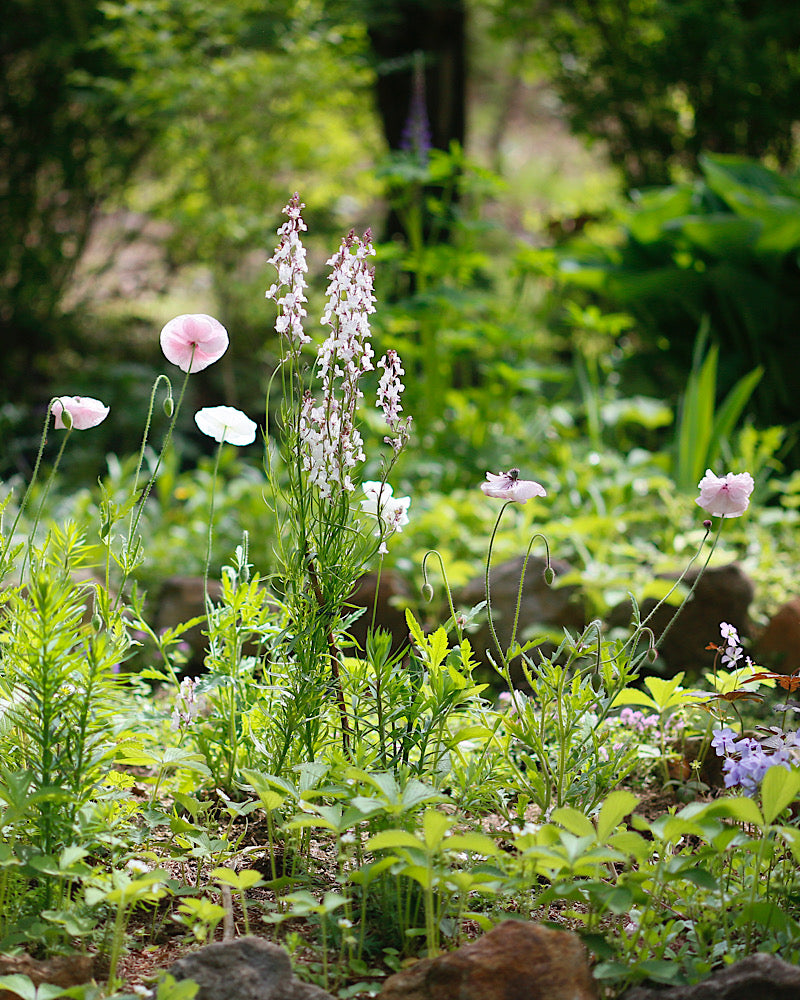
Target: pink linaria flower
[(726, 497), (82, 412), (195, 340), (507, 486)]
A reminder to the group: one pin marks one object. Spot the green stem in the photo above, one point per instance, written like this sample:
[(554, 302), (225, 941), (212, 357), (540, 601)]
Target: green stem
[(206, 598), (489, 615), (48, 484), (129, 545), (144, 437), (26, 496)]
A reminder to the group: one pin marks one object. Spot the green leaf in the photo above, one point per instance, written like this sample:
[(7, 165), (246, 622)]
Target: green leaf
[(435, 825), (740, 808), (391, 840), (779, 789), (574, 821), (415, 629), (478, 843), (610, 970), (240, 881), (618, 805)]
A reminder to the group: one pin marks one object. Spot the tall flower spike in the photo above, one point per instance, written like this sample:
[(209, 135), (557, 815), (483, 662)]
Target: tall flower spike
[(330, 440), (289, 291), (390, 389)]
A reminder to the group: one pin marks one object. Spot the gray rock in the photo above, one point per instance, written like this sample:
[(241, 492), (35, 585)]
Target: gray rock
[(248, 968), (757, 977), (516, 960), (723, 594)]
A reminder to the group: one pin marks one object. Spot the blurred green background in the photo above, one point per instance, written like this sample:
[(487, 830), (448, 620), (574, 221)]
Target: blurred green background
[(587, 217)]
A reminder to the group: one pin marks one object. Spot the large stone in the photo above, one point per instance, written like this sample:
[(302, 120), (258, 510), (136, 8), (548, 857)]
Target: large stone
[(757, 977), (723, 594), (62, 970), (551, 607), (248, 968), (778, 646), (514, 961)]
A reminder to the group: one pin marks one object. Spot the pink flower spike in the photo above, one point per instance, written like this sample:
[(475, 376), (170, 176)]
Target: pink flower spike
[(725, 497), (83, 412), (507, 486), (195, 340)]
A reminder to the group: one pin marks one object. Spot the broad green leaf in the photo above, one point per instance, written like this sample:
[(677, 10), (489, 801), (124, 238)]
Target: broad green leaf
[(240, 881), (667, 693), (574, 821), (779, 789), (23, 986), (435, 825), (478, 843), (420, 874), (391, 840), (613, 811), (740, 808), (633, 696)]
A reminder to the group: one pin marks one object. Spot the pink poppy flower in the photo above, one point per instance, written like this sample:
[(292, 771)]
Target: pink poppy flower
[(82, 412), (725, 497), (194, 339), (507, 486)]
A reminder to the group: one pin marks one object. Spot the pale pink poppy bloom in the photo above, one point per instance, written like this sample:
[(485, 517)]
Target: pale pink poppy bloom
[(82, 412), (195, 340), (507, 486), (226, 423), (728, 496)]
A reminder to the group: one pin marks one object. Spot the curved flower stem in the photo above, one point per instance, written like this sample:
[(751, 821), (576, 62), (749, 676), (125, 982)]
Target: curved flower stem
[(634, 639), (522, 580), (428, 589), (206, 598), (489, 616), (152, 479), (695, 582), (137, 515), (39, 509), (26, 496), (145, 435)]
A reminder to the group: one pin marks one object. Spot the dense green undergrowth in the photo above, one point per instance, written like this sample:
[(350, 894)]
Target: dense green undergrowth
[(361, 805)]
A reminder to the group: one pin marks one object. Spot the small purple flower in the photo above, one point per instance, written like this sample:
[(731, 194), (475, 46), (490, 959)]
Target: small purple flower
[(723, 741)]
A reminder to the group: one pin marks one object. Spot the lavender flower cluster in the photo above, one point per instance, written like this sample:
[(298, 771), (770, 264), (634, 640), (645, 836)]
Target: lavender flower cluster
[(748, 760)]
